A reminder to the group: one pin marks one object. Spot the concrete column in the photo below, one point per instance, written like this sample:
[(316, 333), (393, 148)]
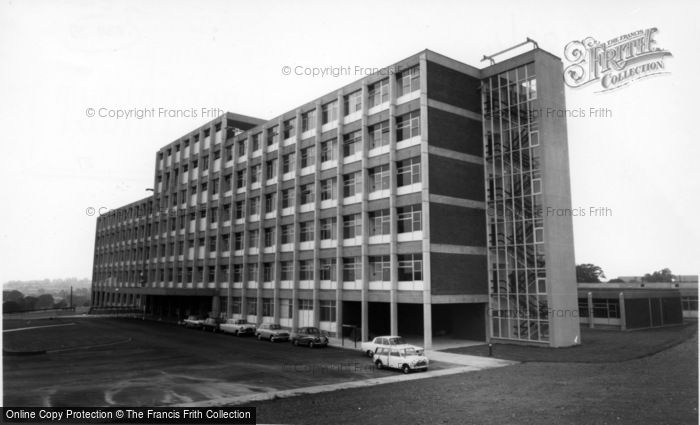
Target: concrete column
[(590, 311), (425, 198), (623, 319), (215, 305)]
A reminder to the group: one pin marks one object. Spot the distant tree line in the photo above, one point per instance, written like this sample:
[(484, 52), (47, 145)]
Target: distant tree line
[(590, 273), (14, 301)]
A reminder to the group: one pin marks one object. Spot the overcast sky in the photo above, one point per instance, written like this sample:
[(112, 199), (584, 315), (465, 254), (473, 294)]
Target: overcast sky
[(58, 58)]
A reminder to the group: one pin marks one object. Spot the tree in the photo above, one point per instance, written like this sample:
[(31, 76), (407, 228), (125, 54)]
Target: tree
[(589, 273), (11, 307), (13, 295), (663, 275), (44, 301)]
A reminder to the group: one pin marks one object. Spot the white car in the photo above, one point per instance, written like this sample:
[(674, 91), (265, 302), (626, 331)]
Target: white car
[(405, 358), (370, 347), (238, 327)]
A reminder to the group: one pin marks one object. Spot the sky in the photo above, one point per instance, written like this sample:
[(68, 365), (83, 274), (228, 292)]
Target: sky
[(60, 58)]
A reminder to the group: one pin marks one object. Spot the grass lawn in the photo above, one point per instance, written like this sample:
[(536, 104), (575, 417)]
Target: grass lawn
[(657, 389), (598, 346)]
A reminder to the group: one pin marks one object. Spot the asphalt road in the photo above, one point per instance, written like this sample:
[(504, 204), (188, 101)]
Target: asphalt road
[(108, 362)]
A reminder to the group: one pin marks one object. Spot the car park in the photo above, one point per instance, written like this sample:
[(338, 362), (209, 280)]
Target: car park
[(238, 327), (211, 324), (386, 341), (310, 336), (404, 357), (272, 332), (193, 321)]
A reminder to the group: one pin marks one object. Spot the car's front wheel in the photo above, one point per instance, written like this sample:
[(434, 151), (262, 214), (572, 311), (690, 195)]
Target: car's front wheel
[(311, 344), (405, 369), (379, 364), (370, 354), (259, 337)]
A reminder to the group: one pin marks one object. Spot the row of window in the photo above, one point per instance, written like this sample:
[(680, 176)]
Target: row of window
[(409, 268), (407, 126), (327, 308), (408, 219)]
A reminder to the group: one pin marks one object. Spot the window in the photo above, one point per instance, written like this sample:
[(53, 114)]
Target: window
[(379, 135), (238, 241), (256, 142), (253, 237), (379, 222), (273, 135), (306, 270), (329, 112), (236, 304), (227, 182), (288, 163), (270, 202), (240, 210), (205, 163), (215, 186), (308, 157), (328, 150), (286, 271), (352, 184), (352, 226), (379, 178), (410, 267), (378, 93), (351, 269), (269, 237), (229, 153), (268, 275), (240, 179), (271, 169), (408, 172), (289, 128), (308, 120), (352, 143), (409, 219), (285, 308), (213, 215), (327, 269), (225, 243), (217, 154), (306, 304), (237, 275), (223, 273), (255, 173), (306, 195), (328, 228), (327, 310), (408, 81), (268, 307), (252, 304), (287, 233), (254, 205), (408, 126), (287, 198), (211, 274), (380, 268), (306, 231), (328, 189), (352, 102)]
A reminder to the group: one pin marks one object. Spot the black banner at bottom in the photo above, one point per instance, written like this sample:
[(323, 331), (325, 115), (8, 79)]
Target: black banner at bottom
[(134, 415)]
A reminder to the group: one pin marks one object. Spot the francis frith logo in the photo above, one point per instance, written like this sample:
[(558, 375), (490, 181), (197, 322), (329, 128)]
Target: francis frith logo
[(615, 63)]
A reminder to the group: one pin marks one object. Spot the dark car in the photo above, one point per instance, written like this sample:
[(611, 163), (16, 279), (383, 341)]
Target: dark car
[(309, 336), (211, 324)]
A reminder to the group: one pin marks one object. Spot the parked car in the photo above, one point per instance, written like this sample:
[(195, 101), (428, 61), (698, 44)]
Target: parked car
[(370, 347), (211, 324), (238, 327), (309, 336), (193, 321), (272, 332), (405, 358)]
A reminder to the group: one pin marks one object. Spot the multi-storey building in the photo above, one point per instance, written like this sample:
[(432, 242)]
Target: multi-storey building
[(408, 202)]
